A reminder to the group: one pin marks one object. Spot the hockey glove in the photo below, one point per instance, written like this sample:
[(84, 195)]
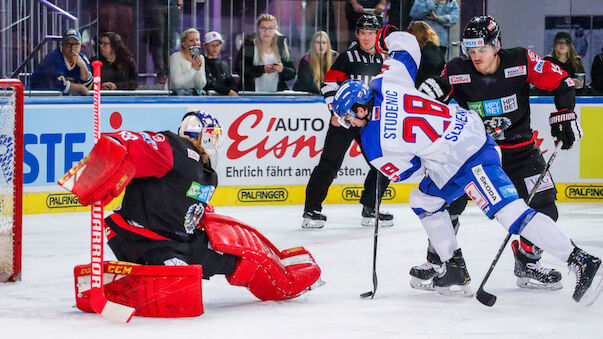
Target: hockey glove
[(102, 175), (438, 88), (381, 35), (565, 127)]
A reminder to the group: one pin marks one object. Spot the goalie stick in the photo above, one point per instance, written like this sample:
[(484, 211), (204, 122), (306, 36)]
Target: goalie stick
[(98, 301), (482, 296), (377, 205)]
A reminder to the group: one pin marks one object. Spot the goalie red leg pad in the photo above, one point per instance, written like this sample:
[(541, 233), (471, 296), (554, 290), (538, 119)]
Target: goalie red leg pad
[(102, 175), (267, 272), (153, 290)]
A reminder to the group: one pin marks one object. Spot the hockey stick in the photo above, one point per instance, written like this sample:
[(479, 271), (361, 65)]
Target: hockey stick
[(482, 296), (98, 301), (377, 205)]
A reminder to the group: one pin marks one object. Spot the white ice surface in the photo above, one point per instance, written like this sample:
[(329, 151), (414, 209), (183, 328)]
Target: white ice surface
[(42, 305)]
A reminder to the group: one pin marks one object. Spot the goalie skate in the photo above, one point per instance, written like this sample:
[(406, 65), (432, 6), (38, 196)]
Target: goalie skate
[(313, 219), (454, 279), (368, 218), (531, 274)]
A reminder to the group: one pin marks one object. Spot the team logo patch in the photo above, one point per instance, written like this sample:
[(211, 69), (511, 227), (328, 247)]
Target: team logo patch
[(570, 82), (546, 184), (486, 185), (475, 195), (516, 71), (508, 191), (459, 79), (159, 137), (193, 154), (200, 192)]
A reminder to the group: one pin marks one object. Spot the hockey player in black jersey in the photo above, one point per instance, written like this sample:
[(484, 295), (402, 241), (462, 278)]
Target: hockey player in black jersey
[(165, 217), (361, 62), (495, 83)]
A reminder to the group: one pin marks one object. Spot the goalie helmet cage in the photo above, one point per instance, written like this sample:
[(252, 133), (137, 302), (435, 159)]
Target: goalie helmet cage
[(11, 185)]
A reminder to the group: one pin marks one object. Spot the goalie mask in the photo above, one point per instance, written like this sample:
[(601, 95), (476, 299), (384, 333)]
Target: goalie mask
[(205, 128)]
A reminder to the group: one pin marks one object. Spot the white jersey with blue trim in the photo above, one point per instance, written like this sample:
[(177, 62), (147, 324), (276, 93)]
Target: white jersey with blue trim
[(410, 133)]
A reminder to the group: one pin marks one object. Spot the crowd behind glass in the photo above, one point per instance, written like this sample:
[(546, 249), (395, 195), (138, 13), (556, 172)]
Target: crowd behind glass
[(263, 60)]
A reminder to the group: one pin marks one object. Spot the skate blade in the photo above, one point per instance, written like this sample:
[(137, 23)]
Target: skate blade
[(370, 222), (537, 285), (593, 291), (309, 223), (423, 285), (456, 291)]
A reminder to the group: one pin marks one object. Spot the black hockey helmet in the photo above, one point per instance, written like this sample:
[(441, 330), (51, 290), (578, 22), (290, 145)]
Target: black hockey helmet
[(367, 21), (480, 31)]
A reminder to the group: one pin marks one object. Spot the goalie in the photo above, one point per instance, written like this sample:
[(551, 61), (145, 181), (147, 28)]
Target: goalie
[(165, 217)]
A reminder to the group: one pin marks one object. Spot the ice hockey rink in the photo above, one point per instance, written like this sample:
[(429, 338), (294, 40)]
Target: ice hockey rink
[(42, 305)]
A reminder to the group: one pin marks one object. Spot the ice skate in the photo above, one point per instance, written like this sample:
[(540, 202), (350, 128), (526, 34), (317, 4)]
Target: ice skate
[(529, 272), (454, 278), (386, 219), (421, 275), (313, 219), (588, 276)]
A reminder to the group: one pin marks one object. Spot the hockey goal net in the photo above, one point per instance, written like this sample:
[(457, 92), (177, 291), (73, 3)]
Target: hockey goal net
[(11, 183)]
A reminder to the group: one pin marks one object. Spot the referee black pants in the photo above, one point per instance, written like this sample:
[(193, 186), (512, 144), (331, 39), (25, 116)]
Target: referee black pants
[(337, 142)]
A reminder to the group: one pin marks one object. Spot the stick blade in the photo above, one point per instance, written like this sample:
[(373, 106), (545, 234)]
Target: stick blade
[(485, 298), (368, 294), (118, 312)]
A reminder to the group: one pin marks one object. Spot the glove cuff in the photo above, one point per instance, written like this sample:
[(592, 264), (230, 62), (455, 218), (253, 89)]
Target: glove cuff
[(561, 116)]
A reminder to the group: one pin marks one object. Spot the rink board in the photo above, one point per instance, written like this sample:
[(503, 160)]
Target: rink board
[(271, 145)]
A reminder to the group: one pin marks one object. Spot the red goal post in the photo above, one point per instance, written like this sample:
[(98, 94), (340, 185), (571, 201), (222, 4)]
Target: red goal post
[(11, 183)]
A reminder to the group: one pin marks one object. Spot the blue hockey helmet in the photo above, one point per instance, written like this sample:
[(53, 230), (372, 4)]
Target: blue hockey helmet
[(350, 92)]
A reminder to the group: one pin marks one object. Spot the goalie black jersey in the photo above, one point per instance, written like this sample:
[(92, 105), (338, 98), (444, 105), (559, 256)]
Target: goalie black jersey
[(502, 99), (167, 197)]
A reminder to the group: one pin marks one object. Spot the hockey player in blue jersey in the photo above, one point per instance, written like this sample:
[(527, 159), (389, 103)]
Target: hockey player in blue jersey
[(65, 69), (406, 133)]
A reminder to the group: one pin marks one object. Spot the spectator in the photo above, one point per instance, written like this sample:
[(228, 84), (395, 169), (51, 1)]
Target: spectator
[(439, 14), (432, 58), (118, 70), (112, 16), (564, 55), (315, 64), (162, 20), (399, 12), (354, 9), (217, 71), (65, 69), (264, 61), (596, 72), (187, 66)]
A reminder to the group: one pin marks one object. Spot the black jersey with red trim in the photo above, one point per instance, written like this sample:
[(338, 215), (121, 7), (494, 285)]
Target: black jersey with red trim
[(502, 99), (354, 63), (171, 188)]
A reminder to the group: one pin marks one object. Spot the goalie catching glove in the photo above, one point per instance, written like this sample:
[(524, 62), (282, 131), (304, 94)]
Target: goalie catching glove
[(438, 88), (565, 127), (102, 175)]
